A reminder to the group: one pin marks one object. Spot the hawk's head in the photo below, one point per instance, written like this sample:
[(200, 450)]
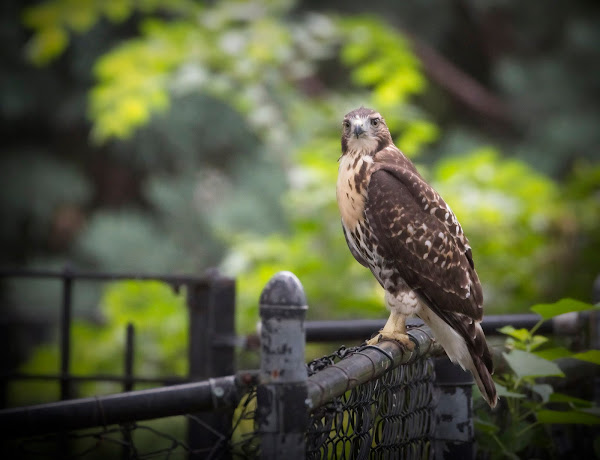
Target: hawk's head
[(364, 132)]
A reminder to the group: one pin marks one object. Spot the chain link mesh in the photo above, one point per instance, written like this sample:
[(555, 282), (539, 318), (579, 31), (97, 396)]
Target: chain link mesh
[(389, 417)]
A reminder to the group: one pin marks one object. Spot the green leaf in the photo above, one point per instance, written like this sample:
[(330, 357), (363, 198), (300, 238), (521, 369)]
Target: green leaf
[(526, 364), (567, 417), (536, 341), (485, 426), (506, 393), (561, 397), (550, 310), (554, 353), (591, 356), (520, 334), (544, 390), (46, 44)]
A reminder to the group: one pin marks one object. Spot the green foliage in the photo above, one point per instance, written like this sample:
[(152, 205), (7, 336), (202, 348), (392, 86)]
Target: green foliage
[(550, 310), (247, 57), (53, 20), (592, 356), (578, 417), (512, 216), (135, 77), (524, 364), (527, 404)]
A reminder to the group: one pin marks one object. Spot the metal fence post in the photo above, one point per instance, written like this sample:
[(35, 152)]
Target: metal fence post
[(211, 354), (66, 390), (594, 332), (454, 433), (127, 450), (282, 407)]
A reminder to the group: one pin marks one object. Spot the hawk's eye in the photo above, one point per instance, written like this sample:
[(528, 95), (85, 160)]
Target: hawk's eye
[(375, 122), (347, 124)]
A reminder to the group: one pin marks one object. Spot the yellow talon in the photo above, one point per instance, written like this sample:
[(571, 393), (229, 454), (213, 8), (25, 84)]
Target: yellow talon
[(397, 336)]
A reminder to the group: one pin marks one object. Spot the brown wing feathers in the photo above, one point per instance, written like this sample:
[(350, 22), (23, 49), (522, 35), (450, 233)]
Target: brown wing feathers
[(416, 229), (427, 258)]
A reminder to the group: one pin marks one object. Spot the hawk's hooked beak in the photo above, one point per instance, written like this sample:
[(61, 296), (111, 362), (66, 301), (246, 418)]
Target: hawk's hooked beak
[(358, 130)]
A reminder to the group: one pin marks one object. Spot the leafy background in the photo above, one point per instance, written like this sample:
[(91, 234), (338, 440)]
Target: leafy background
[(176, 136)]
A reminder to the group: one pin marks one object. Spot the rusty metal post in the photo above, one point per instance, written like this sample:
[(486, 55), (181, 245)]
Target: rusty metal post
[(282, 397), (454, 433)]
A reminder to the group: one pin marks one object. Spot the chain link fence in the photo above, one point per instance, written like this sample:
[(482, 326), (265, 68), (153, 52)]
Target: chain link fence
[(363, 402), (392, 416)]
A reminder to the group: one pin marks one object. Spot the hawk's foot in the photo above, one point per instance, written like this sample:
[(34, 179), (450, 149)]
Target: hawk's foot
[(398, 336)]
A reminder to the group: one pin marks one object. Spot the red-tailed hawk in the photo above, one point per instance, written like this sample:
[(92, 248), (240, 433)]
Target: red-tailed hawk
[(400, 228)]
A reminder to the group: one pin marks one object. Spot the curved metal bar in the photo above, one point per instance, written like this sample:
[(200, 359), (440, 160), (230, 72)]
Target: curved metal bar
[(367, 364)]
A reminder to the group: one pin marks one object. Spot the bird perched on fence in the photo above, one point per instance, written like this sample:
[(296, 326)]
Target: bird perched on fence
[(400, 228)]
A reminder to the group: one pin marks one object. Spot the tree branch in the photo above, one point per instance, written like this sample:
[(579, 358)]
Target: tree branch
[(464, 88)]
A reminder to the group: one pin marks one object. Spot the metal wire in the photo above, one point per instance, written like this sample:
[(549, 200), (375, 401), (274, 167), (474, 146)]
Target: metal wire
[(389, 417), (146, 440)]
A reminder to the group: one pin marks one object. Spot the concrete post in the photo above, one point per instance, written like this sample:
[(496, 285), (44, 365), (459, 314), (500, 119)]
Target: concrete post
[(454, 432), (282, 411)]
